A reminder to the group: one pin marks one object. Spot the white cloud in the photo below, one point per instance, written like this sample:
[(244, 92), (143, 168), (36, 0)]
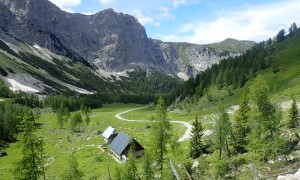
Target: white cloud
[(253, 23), (143, 19), (164, 13), (167, 38), (107, 1), (66, 3), (67, 10), (89, 13), (177, 3)]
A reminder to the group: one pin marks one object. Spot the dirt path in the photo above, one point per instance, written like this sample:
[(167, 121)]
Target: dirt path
[(184, 137)]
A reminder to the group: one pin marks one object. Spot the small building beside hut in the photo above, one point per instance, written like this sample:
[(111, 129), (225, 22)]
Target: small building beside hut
[(121, 145), (109, 134)]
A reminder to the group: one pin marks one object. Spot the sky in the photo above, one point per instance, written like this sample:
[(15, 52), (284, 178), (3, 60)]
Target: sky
[(200, 21)]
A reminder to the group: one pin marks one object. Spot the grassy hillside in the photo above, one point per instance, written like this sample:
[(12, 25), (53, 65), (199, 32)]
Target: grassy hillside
[(232, 45), (280, 68)]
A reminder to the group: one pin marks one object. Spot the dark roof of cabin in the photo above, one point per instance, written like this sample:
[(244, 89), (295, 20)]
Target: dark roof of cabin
[(119, 144)]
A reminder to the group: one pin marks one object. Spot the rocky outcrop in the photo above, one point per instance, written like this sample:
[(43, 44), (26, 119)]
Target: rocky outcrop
[(200, 57), (111, 41)]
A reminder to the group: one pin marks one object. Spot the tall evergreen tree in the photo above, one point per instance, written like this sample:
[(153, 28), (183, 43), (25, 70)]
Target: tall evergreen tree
[(280, 36), (196, 144), (265, 131), (31, 165), (148, 171), (293, 119), (75, 122), (292, 29), (241, 128), (222, 132), (161, 133), (131, 167), (72, 172), (63, 114)]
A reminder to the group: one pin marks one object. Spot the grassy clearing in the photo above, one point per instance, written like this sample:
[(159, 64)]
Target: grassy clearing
[(60, 142)]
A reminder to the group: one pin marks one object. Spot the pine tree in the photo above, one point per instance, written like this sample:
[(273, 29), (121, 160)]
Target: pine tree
[(131, 165), (31, 165), (280, 36), (87, 119), (222, 132), (75, 122), (196, 144), (63, 114), (265, 131), (241, 125), (161, 133), (292, 29), (148, 172), (293, 121), (72, 172)]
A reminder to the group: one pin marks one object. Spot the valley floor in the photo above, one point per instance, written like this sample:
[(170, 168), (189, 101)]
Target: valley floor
[(60, 142)]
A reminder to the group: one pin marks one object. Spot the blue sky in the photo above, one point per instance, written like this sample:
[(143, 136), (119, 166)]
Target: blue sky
[(200, 21)]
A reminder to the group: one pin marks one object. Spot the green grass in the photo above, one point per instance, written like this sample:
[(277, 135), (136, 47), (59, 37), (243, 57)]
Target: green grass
[(60, 142)]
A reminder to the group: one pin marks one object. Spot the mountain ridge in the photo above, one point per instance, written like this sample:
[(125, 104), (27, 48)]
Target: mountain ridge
[(107, 43)]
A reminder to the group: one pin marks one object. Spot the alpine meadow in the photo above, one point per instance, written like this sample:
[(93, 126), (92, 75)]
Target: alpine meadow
[(93, 96)]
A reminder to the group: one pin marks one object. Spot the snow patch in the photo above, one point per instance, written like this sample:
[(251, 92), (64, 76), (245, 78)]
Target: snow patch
[(16, 86), (23, 82)]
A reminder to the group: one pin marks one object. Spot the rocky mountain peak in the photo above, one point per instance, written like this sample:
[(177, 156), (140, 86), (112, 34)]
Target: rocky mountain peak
[(112, 41)]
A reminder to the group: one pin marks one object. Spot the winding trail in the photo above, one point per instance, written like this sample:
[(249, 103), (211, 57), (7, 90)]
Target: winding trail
[(184, 137)]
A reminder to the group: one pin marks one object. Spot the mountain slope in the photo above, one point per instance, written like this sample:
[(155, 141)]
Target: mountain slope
[(232, 45), (112, 41), (201, 57), (278, 63), (53, 51)]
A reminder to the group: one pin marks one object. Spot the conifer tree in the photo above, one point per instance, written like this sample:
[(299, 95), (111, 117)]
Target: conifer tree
[(293, 121), (265, 131), (280, 36), (292, 29), (196, 144), (241, 128), (31, 165), (75, 122), (87, 119), (148, 171), (131, 173), (72, 172), (222, 132), (63, 114), (161, 133)]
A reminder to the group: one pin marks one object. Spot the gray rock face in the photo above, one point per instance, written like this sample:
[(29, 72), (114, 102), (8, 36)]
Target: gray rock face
[(112, 41), (201, 56)]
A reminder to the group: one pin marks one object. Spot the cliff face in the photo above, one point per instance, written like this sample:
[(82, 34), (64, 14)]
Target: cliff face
[(112, 41)]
